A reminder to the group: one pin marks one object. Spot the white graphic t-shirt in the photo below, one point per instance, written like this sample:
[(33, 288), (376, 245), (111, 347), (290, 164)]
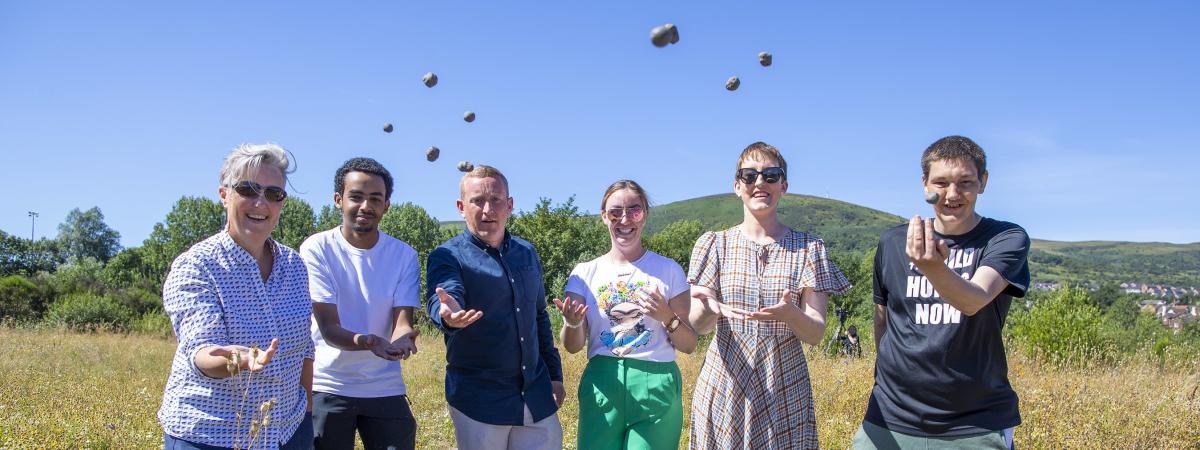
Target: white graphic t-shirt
[(618, 326)]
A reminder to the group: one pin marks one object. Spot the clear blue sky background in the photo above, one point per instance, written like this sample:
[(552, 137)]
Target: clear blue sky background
[(1089, 111)]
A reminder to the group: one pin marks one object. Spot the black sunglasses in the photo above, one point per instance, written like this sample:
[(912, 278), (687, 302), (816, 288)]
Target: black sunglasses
[(250, 189), (772, 175)]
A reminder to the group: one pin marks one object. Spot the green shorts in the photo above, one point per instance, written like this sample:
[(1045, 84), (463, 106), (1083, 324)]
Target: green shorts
[(630, 404)]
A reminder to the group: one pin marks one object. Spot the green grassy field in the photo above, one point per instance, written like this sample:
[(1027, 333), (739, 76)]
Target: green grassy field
[(69, 390)]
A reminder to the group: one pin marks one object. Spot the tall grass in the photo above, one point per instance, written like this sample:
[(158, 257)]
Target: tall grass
[(63, 389)]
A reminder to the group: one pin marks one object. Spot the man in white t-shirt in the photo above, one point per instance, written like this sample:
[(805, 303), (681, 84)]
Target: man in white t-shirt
[(364, 287)]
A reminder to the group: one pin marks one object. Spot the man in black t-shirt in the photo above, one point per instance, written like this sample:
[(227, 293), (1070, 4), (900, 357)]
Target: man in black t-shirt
[(943, 287)]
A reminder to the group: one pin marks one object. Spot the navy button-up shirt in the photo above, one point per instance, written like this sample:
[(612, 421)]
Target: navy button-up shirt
[(504, 361)]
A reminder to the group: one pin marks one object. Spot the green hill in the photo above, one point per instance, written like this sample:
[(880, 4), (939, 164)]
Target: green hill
[(845, 227), (1097, 262)]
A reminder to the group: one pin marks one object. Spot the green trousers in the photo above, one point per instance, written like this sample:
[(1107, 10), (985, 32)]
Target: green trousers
[(630, 404)]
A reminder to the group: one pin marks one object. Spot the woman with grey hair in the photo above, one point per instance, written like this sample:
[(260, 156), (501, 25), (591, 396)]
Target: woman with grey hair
[(240, 308)]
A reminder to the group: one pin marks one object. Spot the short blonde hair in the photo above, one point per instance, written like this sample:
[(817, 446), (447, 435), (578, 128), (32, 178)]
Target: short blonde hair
[(762, 151), (245, 159), (482, 171)]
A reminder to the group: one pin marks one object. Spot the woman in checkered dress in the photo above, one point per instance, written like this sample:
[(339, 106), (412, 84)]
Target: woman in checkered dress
[(763, 286)]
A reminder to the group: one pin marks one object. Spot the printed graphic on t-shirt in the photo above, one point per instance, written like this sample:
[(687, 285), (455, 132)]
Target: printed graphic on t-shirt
[(617, 303), (929, 309)]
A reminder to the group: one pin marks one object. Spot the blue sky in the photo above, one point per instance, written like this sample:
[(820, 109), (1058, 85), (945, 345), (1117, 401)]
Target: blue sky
[(1088, 110)]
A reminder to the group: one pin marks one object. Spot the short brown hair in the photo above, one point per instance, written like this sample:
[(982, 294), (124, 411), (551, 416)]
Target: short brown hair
[(761, 150), (954, 148), (626, 184), (482, 171)]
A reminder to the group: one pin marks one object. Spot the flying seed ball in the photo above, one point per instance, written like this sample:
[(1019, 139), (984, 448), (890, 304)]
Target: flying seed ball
[(931, 197), (387, 128), (432, 154), (764, 58), (732, 83), (465, 166), (469, 116), (662, 35), (430, 79)]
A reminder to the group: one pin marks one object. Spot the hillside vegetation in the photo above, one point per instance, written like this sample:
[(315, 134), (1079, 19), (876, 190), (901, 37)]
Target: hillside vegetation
[(1103, 261)]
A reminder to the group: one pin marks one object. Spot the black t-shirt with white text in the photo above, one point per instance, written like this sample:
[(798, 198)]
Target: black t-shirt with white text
[(940, 372)]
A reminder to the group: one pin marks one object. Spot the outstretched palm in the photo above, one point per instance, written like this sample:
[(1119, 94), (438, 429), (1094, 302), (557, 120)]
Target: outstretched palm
[(451, 312)]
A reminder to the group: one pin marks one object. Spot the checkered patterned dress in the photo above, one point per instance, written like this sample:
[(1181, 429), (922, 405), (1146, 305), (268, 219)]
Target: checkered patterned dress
[(753, 391)]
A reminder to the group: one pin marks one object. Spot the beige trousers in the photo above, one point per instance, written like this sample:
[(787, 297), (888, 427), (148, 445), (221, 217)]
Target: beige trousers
[(471, 434)]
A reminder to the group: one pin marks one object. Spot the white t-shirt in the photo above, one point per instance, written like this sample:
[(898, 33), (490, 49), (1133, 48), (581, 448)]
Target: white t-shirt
[(365, 284), (617, 326)]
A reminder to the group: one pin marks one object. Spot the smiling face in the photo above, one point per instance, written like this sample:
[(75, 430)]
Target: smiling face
[(485, 206), (363, 201), (760, 196), (252, 219), (958, 185), (625, 215)]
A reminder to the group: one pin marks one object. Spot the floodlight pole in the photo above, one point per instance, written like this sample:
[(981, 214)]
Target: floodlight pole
[(32, 224)]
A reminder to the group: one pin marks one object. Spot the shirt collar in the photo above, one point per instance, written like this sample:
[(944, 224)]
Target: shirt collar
[(233, 248), (483, 244)]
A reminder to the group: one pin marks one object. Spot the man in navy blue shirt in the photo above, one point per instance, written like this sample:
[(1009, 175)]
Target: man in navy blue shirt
[(503, 374)]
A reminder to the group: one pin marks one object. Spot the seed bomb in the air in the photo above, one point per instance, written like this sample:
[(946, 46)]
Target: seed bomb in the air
[(387, 128), (465, 166), (732, 83), (764, 58), (469, 116), (931, 197), (430, 79), (431, 155), (662, 35)]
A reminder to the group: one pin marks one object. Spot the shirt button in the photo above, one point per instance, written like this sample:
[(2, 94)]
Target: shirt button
[(522, 339), (518, 309), (522, 367)]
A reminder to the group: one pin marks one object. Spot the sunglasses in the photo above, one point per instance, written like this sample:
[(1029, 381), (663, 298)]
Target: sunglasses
[(771, 175), (634, 213), (250, 189)]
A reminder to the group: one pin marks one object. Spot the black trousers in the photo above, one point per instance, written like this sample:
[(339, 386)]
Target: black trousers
[(384, 423)]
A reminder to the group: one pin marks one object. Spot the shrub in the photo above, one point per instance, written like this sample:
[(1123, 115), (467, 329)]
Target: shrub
[(153, 323), (1064, 328), (137, 301), (17, 298), (88, 311)]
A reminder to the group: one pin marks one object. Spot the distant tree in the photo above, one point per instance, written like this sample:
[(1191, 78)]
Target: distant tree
[(1106, 295), (676, 240), (128, 268), (84, 274), (191, 220), (563, 237), (328, 218), (296, 223), (22, 257), (413, 225), (85, 234)]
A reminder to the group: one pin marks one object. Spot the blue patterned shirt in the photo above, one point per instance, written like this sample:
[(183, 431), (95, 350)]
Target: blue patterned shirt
[(506, 360), (216, 296)]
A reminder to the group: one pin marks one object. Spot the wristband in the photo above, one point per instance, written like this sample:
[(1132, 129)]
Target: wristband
[(567, 324)]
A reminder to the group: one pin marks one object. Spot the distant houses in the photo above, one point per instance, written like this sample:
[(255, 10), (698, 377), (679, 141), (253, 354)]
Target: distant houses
[(1172, 315)]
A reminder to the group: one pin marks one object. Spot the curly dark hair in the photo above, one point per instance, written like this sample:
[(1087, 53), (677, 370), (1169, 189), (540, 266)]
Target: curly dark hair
[(364, 165)]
